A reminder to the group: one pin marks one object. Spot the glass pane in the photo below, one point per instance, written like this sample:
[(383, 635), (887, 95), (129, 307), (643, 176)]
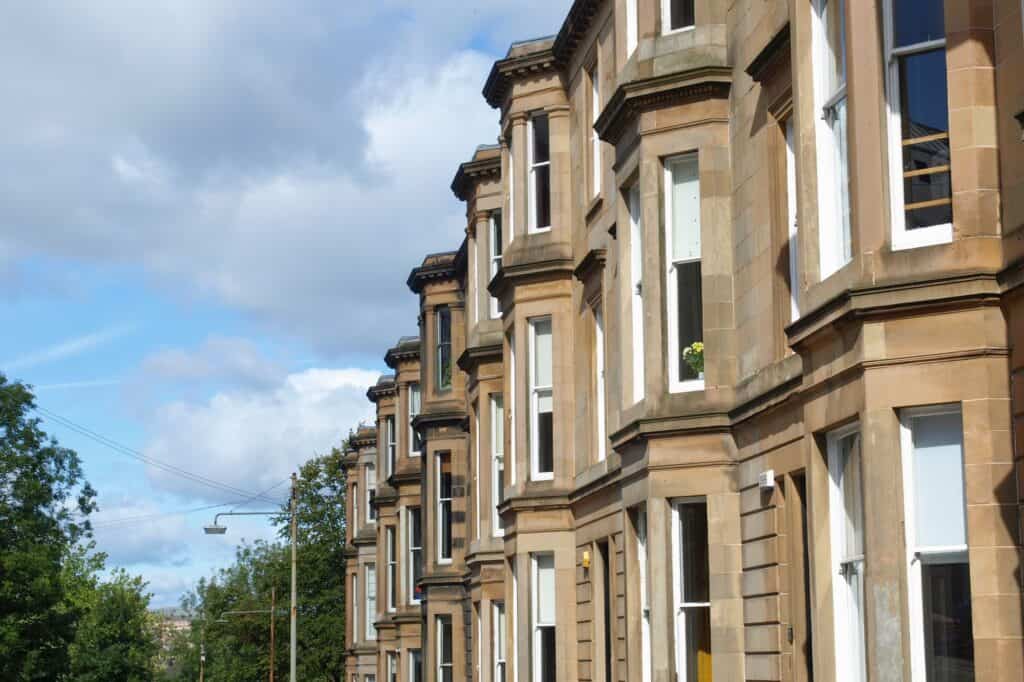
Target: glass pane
[(917, 21), (545, 587), (924, 105), (948, 637), (444, 325), (417, 665), (499, 631), (833, 18), (545, 441), (693, 552), (445, 634), (939, 480), (698, 644), (498, 424), (446, 530), (685, 209), (541, 150), (547, 654), (681, 14), (843, 175), (542, 196), (690, 312), (542, 352), (417, 573), (496, 239)]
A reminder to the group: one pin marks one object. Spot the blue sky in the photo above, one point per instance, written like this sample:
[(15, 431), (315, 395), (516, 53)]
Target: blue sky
[(208, 209)]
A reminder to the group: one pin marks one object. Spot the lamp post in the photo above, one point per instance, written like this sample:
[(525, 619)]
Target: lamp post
[(216, 529)]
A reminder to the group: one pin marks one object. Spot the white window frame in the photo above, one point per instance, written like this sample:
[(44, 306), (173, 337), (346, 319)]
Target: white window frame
[(599, 384), (497, 404), (499, 644), (632, 29), (495, 253), (512, 408), (902, 238), (413, 664), (511, 192), (536, 625), (594, 74), (474, 276), (515, 620), (671, 275), (370, 600), (357, 604), (917, 557), (679, 606), (645, 603), (413, 548), (370, 472), (534, 228), (439, 373), (414, 390), (441, 665), (666, 19), (536, 392), (391, 560), (476, 467), (834, 231), (441, 501), (792, 218), (390, 445), (850, 659), (636, 270), (392, 666), (355, 501)]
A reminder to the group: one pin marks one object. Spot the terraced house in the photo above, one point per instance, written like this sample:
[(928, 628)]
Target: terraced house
[(721, 383)]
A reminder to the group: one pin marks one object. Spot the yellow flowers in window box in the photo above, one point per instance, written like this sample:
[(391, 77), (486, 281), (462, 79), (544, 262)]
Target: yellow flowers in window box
[(693, 355)]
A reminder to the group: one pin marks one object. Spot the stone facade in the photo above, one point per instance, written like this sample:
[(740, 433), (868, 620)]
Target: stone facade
[(834, 491)]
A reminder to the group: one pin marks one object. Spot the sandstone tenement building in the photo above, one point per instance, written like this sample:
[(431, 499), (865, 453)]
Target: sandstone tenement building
[(564, 484)]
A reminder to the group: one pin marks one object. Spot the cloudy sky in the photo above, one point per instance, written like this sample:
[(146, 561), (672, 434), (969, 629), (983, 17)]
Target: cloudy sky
[(208, 210)]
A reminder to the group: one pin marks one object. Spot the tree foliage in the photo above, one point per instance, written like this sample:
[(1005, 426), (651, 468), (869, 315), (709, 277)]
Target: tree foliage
[(238, 646)]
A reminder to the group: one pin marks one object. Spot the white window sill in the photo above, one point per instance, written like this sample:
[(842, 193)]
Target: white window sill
[(498, 534), (539, 230), (537, 476), (414, 454), (444, 562), (922, 236), (686, 386), (676, 31)]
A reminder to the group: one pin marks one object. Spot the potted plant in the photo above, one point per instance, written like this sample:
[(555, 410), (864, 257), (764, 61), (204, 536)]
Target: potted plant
[(693, 355)]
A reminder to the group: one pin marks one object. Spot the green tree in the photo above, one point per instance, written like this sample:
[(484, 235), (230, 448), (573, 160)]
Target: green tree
[(237, 649), (115, 639), (44, 508)]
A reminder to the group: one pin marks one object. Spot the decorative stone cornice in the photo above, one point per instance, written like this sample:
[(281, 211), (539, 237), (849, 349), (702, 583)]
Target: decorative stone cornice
[(515, 66), (364, 437), (436, 267), (636, 97), (510, 275), (592, 262), (485, 165), (407, 349), (473, 356), (772, 56), (384, 387), (574, 28)]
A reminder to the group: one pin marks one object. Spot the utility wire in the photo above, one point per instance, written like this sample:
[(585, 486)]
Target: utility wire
[(262, 494), (163, 466)]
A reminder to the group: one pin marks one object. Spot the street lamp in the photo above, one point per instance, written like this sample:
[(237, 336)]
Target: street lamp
[(216, 529)]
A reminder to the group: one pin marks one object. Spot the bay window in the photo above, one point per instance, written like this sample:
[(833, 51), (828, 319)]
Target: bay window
[(444, 507), (544, 609), (691, 591), (677, 15), (415, 445), (540, 173), (497, 462), (846, 504), (683, 278), (829, 38), (445, 657), (415, 572), (915, 39), (636, 275), (443, 350), (542, 453), (496, 248), (391, 557), (941, 636), (371, 601), (498, 644)]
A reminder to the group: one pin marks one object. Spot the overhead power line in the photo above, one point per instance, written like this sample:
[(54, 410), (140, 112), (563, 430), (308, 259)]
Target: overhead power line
[(155, 463)]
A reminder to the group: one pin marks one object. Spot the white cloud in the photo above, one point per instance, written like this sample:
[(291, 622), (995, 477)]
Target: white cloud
[(253, 438), (236, 360), (66, 349)]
